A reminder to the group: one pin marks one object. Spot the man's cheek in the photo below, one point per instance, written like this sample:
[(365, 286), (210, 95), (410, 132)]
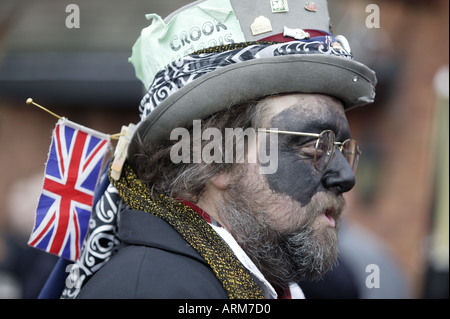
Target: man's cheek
[(295, 178)]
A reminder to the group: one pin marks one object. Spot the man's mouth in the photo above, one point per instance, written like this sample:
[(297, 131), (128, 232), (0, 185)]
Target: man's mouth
[(329, 215)]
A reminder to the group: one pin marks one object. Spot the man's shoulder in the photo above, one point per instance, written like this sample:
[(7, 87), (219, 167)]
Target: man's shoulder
[(160, 265)]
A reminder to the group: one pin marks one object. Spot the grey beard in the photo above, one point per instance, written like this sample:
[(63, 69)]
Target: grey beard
[(297, 253)]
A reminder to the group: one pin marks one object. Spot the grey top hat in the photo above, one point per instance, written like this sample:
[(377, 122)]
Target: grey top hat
[(212, 54)]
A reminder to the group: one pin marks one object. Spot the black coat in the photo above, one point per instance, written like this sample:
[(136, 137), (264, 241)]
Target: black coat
[(153, 261)]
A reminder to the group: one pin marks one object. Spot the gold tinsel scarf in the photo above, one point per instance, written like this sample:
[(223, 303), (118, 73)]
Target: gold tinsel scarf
[(234, 277)]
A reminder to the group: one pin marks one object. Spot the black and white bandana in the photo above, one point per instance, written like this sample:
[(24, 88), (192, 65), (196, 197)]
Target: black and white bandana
[(101, 240), (185, 70)]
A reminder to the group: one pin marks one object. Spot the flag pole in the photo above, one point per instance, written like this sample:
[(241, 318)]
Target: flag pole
[(30, 101)]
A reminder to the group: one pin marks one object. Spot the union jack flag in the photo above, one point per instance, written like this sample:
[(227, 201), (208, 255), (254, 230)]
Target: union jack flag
[(64, 208)]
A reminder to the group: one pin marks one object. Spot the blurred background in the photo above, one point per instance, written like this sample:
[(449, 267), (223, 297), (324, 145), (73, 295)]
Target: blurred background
[(395, 238)]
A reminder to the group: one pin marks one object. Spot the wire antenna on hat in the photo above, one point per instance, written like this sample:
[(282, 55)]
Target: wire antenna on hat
[(30, 101)]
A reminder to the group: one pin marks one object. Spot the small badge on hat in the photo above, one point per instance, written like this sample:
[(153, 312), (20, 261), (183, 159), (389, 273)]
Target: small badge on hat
[(261, 25), (298, 34), (278, 6), (311, 6)]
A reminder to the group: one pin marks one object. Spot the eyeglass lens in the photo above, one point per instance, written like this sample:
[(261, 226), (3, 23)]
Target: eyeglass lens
[(350, 151), (325, 150)]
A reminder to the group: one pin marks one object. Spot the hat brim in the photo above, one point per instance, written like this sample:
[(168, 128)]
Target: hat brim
[(350, 81)]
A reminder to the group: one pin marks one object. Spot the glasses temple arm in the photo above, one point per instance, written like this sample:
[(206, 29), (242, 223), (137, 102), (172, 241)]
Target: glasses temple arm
[(289, 132)]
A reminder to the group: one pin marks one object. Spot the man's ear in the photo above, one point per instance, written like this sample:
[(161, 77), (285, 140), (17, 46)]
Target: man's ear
[(221, 181)]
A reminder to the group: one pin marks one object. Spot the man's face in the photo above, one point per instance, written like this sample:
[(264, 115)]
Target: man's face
[(296, 176), (287, 222)]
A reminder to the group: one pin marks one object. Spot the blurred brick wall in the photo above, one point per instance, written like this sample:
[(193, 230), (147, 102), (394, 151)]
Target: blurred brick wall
[(400, 210)]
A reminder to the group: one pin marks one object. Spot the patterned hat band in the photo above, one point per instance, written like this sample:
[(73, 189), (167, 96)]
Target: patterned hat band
[(188, 69)]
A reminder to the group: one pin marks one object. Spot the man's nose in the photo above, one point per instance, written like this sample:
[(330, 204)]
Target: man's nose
[(339, 177)]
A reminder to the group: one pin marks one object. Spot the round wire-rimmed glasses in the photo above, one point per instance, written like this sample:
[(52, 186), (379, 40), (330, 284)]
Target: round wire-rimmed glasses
[(324, 148)]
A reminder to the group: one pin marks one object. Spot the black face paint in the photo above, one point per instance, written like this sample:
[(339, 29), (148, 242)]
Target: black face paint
[(296, 176)]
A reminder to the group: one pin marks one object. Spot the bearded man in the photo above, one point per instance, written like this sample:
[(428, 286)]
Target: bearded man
[(192, 227)]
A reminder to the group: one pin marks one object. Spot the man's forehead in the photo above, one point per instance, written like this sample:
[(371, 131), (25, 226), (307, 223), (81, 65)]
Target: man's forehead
[(303, 106)]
